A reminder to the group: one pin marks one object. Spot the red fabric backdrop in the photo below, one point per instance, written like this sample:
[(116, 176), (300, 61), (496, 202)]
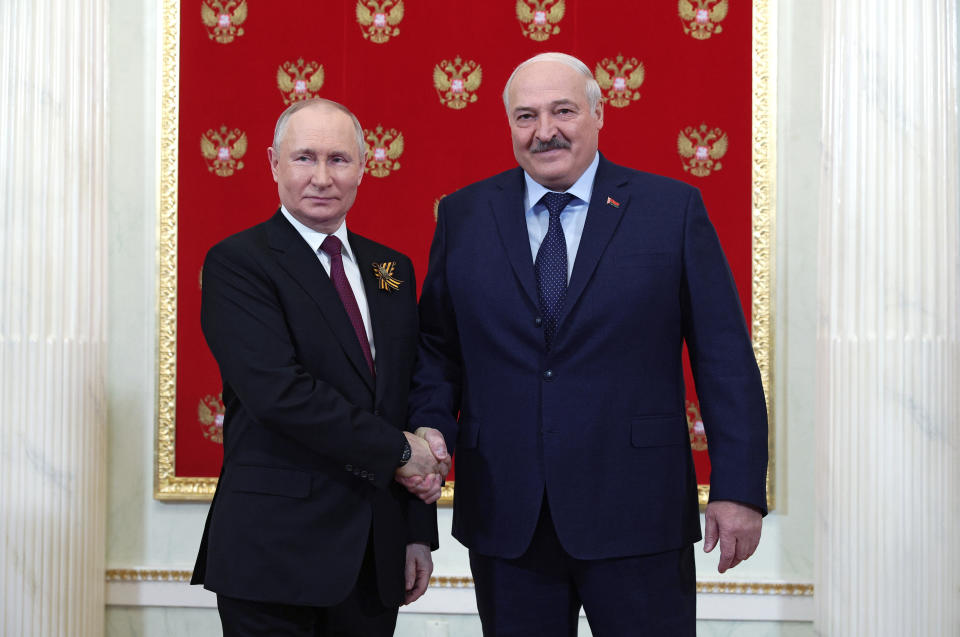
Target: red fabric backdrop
[(235, 65)]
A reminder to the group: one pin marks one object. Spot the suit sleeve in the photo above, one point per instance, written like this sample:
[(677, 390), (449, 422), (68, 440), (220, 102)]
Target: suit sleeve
[(245, 328), (724, 368), (435, 395), (422, 523)]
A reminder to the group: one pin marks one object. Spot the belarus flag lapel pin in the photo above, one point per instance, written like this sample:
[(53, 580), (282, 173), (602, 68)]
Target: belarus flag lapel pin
[(613, 202)]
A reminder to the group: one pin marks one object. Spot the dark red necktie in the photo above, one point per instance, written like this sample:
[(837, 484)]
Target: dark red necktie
[(331, 245)]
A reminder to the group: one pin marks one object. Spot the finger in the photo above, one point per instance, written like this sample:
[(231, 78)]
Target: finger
[(410, 572), (423, 579), (711, 533), (437, 444), (428, 484), (433, 496), (409, 481), (744, 549), (728, 551)]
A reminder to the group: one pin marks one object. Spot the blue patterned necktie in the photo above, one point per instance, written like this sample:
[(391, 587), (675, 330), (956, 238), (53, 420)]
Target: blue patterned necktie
[(551, 265)]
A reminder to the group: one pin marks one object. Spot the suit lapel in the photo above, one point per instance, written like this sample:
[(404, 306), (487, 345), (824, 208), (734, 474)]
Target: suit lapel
[(602, 221), (507, 207), (295, 256)]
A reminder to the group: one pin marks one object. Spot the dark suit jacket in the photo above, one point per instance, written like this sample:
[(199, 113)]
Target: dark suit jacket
[(311, 441), (599, 421)]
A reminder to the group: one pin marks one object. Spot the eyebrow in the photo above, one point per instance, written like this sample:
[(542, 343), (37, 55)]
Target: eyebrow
[(562, 102), (309, 151)]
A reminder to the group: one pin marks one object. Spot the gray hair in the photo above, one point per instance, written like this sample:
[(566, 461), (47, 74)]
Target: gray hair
[(593, 89), (285, 116)]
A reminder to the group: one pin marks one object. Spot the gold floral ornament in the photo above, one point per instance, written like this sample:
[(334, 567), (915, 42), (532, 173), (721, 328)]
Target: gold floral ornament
[(223, 19), (702, 148), (210, 412), (223, 149), (378, 20), (299, 81), (540, 17), (383, 149), (701, 18), (620, 79), (453, 89), (698, 435), (384, 273), (436, 207)]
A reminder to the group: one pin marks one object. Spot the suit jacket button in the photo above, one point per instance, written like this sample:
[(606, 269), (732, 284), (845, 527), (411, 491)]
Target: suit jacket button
[(376, 412), (349, 467), (548, 375), (370, 477), (363, 474), (538, 321)]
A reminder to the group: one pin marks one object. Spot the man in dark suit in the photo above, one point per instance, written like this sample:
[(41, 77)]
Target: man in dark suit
[(314, 330), (553, 315)]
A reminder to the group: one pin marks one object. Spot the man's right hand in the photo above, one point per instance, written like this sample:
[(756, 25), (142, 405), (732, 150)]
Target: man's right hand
[(428, 465)]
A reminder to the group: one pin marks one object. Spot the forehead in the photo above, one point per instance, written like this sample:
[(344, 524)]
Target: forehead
[(320, 126), (547, 82)]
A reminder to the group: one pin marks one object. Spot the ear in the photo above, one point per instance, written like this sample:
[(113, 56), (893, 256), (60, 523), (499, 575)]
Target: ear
[(274, 158), (599, 114), (363, 166)]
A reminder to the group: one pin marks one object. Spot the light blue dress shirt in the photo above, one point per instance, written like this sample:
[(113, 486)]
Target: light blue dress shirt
[(573, 217)]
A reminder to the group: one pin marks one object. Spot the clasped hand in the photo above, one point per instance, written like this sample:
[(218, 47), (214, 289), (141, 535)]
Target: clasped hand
[(428, 465)]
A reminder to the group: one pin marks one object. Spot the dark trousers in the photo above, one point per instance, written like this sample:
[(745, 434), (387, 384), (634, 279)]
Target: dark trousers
[(361, 614), (541, 592)]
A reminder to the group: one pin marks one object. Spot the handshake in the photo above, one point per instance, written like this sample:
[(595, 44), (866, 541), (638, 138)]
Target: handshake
[(429, 464)]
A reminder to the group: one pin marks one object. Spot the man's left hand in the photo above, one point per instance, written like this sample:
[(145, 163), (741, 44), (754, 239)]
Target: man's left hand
[(418, 569), (736, 527)]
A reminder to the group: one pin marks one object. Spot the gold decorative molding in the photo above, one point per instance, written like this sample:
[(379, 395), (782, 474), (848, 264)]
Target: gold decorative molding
[(167, 486), (147, 575), (763, 196), (447, 581)]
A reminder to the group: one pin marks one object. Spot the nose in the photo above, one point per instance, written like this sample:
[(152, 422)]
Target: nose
[(321, 175), (546, 128)]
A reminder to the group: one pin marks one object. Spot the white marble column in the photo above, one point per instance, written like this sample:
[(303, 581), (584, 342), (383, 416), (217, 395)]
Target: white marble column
[(52, 314), (888, 414)]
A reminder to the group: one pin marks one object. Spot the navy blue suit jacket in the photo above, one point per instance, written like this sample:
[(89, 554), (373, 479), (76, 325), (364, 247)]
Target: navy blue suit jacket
[(311, 439), (599, 421)]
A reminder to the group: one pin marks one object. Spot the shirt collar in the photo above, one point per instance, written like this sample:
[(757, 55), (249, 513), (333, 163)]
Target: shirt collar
[(582, 189), (315, 238)]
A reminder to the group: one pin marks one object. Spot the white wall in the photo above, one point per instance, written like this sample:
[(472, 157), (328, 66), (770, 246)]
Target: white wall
[(145, 533)]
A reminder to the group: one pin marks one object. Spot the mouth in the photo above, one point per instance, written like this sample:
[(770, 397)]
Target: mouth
[(319, 200)]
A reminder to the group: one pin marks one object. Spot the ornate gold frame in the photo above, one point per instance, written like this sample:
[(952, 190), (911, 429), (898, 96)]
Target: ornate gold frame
[(168, 486)]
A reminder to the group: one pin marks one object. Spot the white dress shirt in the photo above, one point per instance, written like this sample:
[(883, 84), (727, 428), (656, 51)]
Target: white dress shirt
[(572, 219), (350, 267)]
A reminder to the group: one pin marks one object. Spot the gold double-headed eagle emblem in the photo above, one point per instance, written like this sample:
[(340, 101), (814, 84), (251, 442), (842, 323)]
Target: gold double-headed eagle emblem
[(223, 19), (384, 147), (540, 17), (299, 81), (620, 79), (222, 150), (457, 81), (702, 148), (210, 412), (378, 20), (701, 18)]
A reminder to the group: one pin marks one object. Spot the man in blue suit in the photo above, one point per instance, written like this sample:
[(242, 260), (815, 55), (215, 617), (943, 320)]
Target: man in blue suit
[(553, 316)]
